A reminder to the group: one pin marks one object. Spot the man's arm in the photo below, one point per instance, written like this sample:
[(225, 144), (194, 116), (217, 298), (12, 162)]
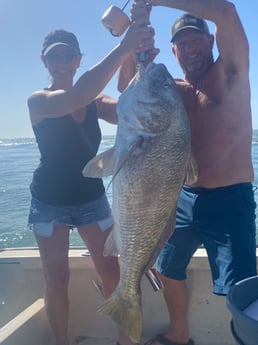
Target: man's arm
[(106, 108), (230, 36)]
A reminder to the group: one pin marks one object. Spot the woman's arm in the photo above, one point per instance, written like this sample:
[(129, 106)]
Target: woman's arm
[(47, 103)]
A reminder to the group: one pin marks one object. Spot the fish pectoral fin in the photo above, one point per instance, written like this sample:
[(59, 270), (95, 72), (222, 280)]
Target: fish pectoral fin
[(138, 142), (191, 172), (101, 165)]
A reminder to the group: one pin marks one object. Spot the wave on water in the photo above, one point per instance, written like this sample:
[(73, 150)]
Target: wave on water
[(255, 136), (107, 141), (17, 141)]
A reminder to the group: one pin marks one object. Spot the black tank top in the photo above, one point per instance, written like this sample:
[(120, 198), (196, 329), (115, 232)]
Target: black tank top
[(65, 147)]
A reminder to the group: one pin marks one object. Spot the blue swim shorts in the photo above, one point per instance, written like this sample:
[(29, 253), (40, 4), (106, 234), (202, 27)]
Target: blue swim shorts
[(43, 217), (223, 221)]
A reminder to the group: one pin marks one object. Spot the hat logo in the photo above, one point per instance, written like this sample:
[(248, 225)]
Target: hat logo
[(184, 22), (191, 21), (177, 25)]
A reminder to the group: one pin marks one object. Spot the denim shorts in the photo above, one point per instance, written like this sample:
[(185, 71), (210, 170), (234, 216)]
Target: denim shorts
[(43, 217), (223, 221)]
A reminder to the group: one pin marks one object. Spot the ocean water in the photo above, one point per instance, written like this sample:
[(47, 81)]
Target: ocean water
[(18, 160)]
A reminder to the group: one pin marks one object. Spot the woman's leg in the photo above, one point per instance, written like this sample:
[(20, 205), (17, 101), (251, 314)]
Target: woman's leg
[(54, 256), (106, 266)]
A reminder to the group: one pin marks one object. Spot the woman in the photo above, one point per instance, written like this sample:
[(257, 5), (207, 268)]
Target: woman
[(64, 118)]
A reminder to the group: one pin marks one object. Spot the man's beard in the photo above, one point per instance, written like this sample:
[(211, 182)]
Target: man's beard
[(198, 66)]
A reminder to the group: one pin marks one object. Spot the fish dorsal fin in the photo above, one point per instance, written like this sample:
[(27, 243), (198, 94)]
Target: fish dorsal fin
[(191, 172), (101, 165)]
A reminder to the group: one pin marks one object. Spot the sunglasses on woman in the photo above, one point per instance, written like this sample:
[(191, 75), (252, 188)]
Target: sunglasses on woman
[(61, 58)]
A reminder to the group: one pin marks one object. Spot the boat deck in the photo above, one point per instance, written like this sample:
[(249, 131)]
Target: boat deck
[(23, 317)]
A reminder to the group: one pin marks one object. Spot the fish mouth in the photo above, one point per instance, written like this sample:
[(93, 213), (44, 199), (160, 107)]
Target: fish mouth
[(143, 71), (150, 66)]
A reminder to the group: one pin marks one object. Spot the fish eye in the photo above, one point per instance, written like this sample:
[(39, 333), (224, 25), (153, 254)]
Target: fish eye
[(166, 84)]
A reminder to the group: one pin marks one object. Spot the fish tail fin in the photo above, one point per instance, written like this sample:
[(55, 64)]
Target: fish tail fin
[(127, 313)]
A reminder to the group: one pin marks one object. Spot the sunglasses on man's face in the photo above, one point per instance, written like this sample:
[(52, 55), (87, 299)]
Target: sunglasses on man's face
[(61, 58)]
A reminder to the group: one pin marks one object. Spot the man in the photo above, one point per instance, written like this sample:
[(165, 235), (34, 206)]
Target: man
[(218, 211)]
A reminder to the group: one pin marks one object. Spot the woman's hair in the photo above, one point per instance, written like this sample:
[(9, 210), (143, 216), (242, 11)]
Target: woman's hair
[(59, 37)]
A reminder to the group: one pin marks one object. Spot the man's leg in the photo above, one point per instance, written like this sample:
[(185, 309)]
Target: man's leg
[(229, 237), (176, 297), (171, 266), (172, 262)]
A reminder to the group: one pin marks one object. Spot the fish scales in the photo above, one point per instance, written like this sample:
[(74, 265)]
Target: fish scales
[(150, 161)]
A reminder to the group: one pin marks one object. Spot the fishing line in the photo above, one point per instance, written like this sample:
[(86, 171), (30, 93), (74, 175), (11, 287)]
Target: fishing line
[(127, 2)]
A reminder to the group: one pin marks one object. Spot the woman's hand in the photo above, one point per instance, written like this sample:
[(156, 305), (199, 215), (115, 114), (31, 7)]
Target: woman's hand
[(138, 38)]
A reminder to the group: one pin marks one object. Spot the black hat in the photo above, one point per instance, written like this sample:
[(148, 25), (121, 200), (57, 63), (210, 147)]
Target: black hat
[(188, 21), (60, 37)]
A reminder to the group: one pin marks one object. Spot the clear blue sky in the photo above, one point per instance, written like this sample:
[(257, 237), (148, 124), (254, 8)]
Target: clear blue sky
[(24, 24)]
